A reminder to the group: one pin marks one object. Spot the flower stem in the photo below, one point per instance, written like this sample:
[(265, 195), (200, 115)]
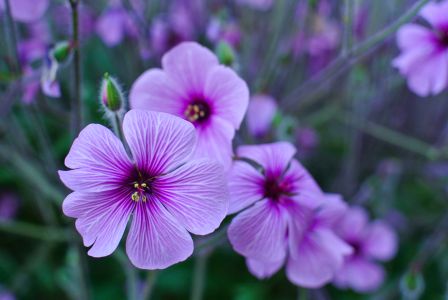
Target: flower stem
[(13, 36), (302, 293), (347, 40), (131, 274), (53, 234), (76, 103), (149, 285), (200, 269)]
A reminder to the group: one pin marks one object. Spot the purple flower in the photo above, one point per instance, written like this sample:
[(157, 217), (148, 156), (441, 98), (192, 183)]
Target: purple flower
[(114, 24), (26, 10), (167, 193), (278, 223), (257, 4), (223, 30), (62, 17), (9, 204), (194, 86), (424, 51), (260, 114), (307, 140), (370, 242)]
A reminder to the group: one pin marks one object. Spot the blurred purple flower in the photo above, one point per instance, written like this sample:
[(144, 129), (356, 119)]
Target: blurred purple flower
[(278, 223), (260, 114), (9, 204), (62, 16), (168, 193), (219, 30), (307, 140), (257, 4), (6, 295), (424, 51), (26, 11), (370, 241), (194, 86), (114, 25)]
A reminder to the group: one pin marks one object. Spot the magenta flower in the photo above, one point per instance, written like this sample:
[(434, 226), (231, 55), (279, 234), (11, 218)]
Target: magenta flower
[(194, 86), (260, 114), (26, 10), (278, 224), (424, 51), (167, 193), (370, 242)]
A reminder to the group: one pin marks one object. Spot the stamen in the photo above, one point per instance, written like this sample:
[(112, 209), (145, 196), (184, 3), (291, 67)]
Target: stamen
[(140, 193), (197, 111), (135, 196)]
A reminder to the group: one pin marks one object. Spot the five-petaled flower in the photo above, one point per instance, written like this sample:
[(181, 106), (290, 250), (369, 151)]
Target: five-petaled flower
[(167, 193), (194, 86)]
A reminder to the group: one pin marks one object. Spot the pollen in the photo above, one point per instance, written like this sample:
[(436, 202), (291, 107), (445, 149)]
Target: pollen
[(197, 111), (140, 193)]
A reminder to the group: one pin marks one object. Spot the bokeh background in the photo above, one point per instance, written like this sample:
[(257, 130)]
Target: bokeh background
[(358, 129)]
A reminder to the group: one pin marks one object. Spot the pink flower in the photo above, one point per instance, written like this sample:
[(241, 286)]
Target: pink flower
[(26, 10), (424, 51), (278, 224), (167, 193), (194, 86), (370, 241), (260, 114)]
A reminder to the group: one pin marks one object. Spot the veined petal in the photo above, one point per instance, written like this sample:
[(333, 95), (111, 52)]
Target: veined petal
[(159, 142), (229, 93), (196, 195), (259, 232), (156, 240), (101, 218), (245, 186), (262, 269), (98, 159), (154, 90)]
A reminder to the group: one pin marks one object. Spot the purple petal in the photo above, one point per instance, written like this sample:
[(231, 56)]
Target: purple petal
[(189, 64), (196, 195), (111, 26), (27, 10), (229, 93), (411, 35), (159, 142), (436, 14), (261, 112), (154, 90), (156, 240), (259, 232), (215, 141), (332, 210), (101, 218), (359, 274), (263, 270), (99, 161), (381, 241), (320, 255), (245, 186), (353, 224), (274, 158)]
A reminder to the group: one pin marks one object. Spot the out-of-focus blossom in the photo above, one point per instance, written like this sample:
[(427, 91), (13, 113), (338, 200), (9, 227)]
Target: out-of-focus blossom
[(424, 51), (6, 295), (62, 16), (194, 86), (307, 140), (260, 114), (220, 30), (9, 204), (278, 224), (370, 241), (27, 11), (257, 4), (167, 193), (114, 25)]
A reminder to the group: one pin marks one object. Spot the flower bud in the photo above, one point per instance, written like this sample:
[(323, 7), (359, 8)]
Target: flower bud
[(111, 94), (412, 285), (61, 51), (225, 53)]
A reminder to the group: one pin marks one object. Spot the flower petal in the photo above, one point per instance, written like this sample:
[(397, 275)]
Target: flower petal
[(359, 274), (99, 161), (27, 10), (259, 232), (196, 195), (101, 218), (260, 114), (353, 224), (261, 269), (411, 36), (320, 255), (156, 240), (381, 241), (435, 14), (274, 158), (332, 211), (156, 91), (245, 186), (228, 93), (189, 64), (159, 142)]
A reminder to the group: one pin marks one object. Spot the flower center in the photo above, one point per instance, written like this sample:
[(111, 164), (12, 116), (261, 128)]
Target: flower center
[(140, 192), (356, 247), (197, 112), (443, 37), (274, 190)]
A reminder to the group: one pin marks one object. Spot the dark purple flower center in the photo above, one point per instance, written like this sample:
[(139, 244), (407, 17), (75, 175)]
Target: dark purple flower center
[(444, 38), (198, 111), (141, 186), (274, 189), (357, 248)]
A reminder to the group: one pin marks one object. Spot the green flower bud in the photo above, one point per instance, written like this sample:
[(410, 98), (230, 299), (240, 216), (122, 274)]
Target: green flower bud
[(225, 53), (412, 285), (61, 51), (111, 94)]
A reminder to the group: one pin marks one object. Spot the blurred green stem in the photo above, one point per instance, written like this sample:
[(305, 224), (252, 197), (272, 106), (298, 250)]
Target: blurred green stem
[(149, 285), (76, 102), (347, 40), (12, 35), (200, 269), (302, 293), (35, 231), (131, 274), (306, 91)]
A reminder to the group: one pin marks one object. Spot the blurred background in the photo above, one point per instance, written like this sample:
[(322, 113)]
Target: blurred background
[(327, 64)]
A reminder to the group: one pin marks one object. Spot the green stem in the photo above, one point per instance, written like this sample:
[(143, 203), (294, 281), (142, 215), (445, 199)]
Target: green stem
[(13, 36), (76, 103), (200, 269), (347, 40), (310, 88), (131, 274), (149, 286), (39, 232), (302, 293)]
